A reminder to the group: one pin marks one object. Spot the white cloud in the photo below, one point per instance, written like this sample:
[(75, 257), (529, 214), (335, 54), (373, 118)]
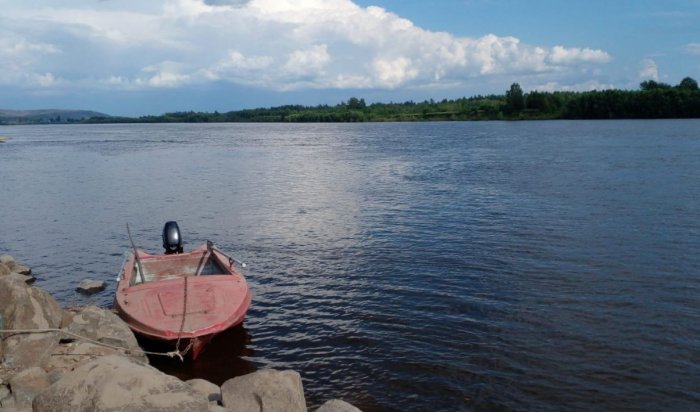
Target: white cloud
[(165, 74), (649, 70), (19, 56), (692, 48), (12, 47), (43, 80), (576, 87), (272, 44), (393, 72), (562, 55), (308, 62), (233, 3)]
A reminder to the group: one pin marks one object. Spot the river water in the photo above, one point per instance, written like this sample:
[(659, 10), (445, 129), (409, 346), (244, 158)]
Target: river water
[(399, 266)]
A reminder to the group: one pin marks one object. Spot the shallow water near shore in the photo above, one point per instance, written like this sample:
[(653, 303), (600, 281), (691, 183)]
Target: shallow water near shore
[(413, 266)]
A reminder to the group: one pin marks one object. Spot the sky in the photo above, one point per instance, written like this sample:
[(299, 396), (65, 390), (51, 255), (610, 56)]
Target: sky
[(135, 57)]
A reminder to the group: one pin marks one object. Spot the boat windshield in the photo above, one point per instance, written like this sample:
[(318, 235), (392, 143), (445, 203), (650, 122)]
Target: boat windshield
[(173, 266)]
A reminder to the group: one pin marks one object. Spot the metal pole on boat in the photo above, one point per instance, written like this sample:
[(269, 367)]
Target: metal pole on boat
[(204, 258), (136, 254), (233, 260)]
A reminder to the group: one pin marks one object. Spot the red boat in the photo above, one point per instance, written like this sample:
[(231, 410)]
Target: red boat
[(183, 298)]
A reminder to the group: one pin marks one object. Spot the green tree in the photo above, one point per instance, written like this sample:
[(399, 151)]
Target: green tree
[(653, 85), (356, 104), (515, 99), (688, 84)]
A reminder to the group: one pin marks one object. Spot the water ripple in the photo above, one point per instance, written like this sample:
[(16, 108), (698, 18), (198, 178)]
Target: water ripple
[(429, 266)]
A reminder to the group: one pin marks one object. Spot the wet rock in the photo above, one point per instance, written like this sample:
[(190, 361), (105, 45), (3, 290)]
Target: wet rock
[(267, 389), (210, 391), (26, 385), (115, 383), (89, 286), (103, 326), (23, 307), (337, 405)]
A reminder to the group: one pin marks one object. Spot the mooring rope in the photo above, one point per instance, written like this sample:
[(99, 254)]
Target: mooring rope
[(182, 324), (177, 353), (172, 354)]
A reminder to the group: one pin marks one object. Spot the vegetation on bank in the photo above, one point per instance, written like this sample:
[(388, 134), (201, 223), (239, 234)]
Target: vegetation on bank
[(653, 100)]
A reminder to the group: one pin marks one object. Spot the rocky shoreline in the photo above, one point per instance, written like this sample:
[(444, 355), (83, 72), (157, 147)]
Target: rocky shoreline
[(87, 359)]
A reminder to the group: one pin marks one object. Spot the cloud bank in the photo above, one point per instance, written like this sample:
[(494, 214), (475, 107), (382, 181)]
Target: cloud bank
[(271, 44)]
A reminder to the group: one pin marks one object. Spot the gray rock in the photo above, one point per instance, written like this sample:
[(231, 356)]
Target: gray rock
[(27, 279), (23, 307), (21, 269), (54, 376), (337, 405), (103, 326), (210, 391), (115, 383), (67, 356), (89, 286), (4, 270), (4, 393), (27, 350), (265, 390), (26, 307), (26, 385), (217, 408), (8, 404), (6, 259)]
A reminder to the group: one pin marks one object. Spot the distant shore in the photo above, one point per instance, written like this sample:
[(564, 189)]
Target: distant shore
[(652, 101)]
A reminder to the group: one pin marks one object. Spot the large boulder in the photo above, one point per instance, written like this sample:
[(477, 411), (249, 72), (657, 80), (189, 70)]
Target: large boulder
[(265, 390), (115, 383), (27, 279), (69, 355), (23, 307), (210, 391), (21, 269), (26, 384), (102, 325), (4, 393), (9, 265), (337, 405)]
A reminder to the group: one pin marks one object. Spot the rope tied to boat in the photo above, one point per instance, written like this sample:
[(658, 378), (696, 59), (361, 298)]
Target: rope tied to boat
[(184, 309), (172, 354)]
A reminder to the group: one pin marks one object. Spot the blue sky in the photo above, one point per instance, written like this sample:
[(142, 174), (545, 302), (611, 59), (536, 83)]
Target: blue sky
[(131, 57)]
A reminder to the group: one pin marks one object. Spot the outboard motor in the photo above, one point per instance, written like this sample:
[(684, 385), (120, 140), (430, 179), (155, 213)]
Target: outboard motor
[(172, 241)]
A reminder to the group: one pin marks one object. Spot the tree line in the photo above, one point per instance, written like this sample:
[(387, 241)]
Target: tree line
[(653, 100)]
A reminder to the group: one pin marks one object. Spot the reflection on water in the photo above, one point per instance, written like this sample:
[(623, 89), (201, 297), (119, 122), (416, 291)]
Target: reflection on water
[(225, 357), (428, 266)]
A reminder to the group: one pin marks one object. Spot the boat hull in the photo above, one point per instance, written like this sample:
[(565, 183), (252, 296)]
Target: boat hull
[(187, 297)]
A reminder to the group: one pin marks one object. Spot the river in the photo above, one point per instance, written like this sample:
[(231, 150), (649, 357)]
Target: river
[(399, 266)]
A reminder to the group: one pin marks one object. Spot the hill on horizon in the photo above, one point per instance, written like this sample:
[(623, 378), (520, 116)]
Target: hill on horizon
[(46, 116)]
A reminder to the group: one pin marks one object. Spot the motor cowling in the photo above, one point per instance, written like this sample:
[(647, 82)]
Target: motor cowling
[(172, 241)]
